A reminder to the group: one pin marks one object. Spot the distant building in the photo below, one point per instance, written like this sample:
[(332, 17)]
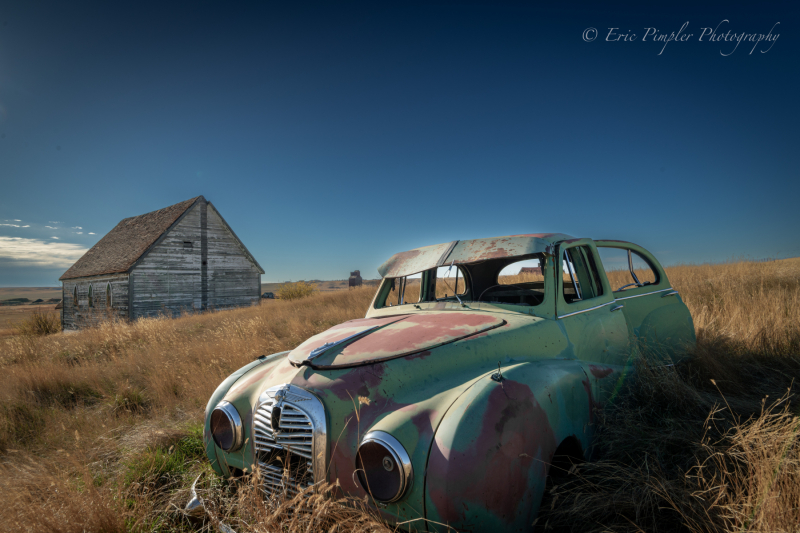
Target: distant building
[(182, 257), (355, 279)]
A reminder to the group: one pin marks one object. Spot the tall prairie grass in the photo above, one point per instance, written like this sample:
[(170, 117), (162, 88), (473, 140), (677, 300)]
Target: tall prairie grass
[(99, 429), (39, 323)]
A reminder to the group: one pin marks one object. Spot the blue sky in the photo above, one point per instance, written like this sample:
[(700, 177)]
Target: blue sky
[(331, 136)]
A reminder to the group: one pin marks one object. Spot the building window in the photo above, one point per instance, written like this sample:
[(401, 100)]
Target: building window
[(75, 296), (108, 295), (91, 303), (187, 245)]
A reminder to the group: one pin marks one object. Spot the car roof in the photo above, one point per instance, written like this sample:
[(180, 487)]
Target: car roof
[(471, 251)]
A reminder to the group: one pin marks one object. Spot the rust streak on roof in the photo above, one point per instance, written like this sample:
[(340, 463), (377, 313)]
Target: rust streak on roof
[(127, 242), (465, 252)]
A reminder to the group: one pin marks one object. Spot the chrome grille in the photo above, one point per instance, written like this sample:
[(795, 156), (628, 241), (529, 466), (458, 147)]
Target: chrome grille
[(285, 425)]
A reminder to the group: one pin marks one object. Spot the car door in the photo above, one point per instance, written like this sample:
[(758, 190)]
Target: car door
[(590, 317), (659, 323)]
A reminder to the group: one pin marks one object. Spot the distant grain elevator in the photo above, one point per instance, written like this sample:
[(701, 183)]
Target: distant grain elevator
[(355, 279), (184, 257)]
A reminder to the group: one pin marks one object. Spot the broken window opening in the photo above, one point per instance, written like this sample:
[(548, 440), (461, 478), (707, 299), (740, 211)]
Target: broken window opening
[(580, 277), (519, 283), (450, 283)]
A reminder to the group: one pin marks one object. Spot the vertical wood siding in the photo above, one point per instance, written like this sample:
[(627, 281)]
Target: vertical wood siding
[(73, 317), (171, 278), (233, 279)]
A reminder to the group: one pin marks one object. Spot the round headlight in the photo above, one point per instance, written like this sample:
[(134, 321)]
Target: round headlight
[(383, 466), (226, 427)]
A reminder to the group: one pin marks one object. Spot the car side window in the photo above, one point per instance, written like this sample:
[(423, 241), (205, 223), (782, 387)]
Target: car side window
[(581, 279), (626, 269)]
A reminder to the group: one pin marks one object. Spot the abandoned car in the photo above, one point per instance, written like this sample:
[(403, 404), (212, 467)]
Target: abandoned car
[(477, 364)]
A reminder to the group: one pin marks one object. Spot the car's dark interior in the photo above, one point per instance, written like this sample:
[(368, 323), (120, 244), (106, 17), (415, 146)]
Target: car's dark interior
[(479, 282)]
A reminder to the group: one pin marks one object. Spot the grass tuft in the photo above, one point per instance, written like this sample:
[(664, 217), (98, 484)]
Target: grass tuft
[(38, 324), (297, 290)]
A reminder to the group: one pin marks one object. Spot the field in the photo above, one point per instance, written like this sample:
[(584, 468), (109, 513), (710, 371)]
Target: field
[(11, 315), (322, 286), (100, 430), (31, 293)]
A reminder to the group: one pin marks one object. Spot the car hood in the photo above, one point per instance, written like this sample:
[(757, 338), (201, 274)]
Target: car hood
[(371, 340)]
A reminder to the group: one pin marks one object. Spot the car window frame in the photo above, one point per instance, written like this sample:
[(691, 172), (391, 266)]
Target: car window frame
[(662, 283), (564, 308)]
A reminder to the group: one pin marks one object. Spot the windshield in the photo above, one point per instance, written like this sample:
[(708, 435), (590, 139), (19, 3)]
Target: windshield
[(516, 281)]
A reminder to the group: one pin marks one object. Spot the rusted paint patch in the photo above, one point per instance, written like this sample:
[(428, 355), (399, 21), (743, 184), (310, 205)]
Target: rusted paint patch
[(413, 261), (501, 247), (600, 372), (512, 447), (425, 353), (411, 335), (419, 259), (254, 377), (337, 333)]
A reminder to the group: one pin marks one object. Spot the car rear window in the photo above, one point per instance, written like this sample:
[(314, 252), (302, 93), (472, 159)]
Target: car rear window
[(626, 273)]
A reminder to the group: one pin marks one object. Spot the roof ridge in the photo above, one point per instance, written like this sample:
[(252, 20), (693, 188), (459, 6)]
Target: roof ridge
[(131, 238)]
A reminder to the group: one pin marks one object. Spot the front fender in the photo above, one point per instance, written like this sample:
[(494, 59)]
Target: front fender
[(219, 394), (490, 456)]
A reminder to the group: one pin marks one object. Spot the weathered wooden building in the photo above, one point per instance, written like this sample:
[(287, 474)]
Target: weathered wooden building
[(182, 257)]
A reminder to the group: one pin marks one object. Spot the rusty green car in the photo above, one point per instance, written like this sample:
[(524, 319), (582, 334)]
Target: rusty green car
[(479, 365)]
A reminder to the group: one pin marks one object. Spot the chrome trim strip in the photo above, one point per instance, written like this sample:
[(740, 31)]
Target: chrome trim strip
[(617, 308), (401, 457), (645, 294), (630, 267), (568, 261), (673, 293), (586, 310), (316, 352)]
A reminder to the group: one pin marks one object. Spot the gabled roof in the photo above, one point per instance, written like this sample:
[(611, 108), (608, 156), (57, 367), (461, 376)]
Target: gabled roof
[(119, 250)]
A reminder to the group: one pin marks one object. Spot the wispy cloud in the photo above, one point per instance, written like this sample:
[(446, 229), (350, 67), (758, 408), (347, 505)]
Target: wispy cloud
[(79, 232), (26, 226), (54, 237), (17, 220), (35, 252), (77, 227), (51, 227), (54, 222), (10, 225), (90, 233)]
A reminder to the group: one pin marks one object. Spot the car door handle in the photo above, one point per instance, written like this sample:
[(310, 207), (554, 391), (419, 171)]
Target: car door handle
[(617, 308), (671, 293)]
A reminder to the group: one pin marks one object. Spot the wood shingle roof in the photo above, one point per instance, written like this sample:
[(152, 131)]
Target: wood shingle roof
[(119, 250)]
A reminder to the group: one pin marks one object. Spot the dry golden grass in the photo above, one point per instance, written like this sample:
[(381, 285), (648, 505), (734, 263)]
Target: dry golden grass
[(39, 323), (297, 290), (99, 430), (12, 316)]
